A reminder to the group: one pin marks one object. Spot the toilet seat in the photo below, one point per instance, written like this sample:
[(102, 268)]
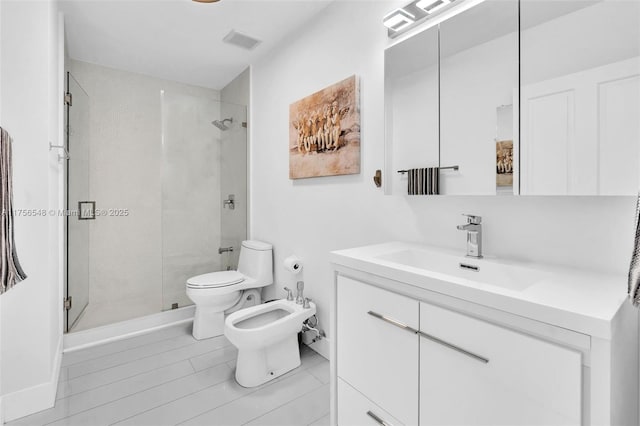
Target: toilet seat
[(258, 312), (266, 328), (215, 279)]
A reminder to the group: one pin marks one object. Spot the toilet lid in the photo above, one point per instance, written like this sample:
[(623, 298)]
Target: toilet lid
[(215, 279)]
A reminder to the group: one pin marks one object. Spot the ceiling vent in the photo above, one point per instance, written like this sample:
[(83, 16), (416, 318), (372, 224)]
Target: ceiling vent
[(241, 40)]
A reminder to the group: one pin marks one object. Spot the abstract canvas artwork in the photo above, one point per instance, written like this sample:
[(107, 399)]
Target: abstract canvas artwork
[(324, 132)]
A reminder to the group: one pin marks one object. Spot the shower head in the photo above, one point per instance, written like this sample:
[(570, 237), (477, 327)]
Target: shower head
[(220, 123)]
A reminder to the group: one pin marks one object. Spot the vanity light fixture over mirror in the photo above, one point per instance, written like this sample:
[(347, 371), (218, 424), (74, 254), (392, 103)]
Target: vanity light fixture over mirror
[(413, 14), (528, 97), (398, 20)]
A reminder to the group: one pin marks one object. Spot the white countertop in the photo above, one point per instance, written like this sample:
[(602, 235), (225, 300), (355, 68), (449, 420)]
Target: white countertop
[(582, 301)]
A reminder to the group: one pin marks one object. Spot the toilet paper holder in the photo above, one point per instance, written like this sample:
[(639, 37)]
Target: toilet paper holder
[(293, 264)]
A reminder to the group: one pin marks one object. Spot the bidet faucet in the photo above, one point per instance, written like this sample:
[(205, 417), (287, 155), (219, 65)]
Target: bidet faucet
[(289, 294), (474, 235), (299, 296)]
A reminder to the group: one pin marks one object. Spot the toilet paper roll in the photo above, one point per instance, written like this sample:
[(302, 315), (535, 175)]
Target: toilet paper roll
[(293, 264)]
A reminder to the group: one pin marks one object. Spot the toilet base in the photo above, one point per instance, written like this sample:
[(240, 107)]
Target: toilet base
[(207, 323), (258, 366)]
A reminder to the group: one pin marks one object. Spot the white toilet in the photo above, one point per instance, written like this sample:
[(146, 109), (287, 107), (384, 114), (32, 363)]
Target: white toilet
[(267, 339), (217, 293)]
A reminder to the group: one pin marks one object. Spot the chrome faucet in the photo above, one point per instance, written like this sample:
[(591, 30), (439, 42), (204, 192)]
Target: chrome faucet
[(474, 235), (289, 294), (299, 295)]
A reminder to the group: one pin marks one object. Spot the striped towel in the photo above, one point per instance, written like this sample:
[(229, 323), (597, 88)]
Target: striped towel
[(424, 181), (10, 270), (634, 268)]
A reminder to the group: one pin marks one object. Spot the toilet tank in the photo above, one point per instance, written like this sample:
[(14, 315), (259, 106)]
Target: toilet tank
[(256, 261)]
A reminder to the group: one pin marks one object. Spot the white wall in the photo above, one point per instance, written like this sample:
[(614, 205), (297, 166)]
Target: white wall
[(30, 83), (126, 167), (314, 216)]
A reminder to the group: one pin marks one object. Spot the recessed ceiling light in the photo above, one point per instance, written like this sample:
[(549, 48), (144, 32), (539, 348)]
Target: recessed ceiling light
[(398, 19)]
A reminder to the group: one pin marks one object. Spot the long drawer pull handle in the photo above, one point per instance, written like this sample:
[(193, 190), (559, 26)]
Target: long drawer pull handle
[(393, 322), (454, 347), (428, 336), (378, 419)]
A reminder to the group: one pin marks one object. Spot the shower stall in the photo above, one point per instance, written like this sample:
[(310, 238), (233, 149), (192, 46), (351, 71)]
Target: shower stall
[(153, 198)]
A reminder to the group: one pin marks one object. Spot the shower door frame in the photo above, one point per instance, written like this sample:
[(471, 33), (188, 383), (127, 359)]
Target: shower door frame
[(68, 296)]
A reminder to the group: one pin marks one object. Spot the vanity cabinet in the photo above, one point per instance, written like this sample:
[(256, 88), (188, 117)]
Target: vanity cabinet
[(473, 372), (411, 347), (376, 356), (402, 361), (357, 409)]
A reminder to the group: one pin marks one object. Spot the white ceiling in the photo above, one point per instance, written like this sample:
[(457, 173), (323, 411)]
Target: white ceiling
[(180, 40)]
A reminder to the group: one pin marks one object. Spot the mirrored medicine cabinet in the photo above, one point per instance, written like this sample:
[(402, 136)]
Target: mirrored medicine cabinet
[(529, 97)]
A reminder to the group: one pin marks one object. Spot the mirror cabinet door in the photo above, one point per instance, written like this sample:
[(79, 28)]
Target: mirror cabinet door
[(411, 108), (478, 88), (580, 97)]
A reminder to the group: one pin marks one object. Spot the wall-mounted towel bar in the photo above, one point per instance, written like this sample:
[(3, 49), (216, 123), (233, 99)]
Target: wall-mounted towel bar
[(62, 147), (441, 168)]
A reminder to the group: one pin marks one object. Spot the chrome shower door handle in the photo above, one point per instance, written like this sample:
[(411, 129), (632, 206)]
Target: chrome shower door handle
[(229, 202)]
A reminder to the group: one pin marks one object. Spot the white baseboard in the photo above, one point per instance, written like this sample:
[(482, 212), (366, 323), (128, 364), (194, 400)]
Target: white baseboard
[(37, 398), (125, 329)]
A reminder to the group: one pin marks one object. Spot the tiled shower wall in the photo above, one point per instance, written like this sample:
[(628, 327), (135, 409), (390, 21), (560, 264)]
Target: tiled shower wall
[(191, 200)]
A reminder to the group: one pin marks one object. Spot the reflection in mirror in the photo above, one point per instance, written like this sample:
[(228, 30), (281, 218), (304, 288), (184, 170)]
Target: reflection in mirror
[(411, 103), (580, 97), (504, 150), (479, 75)]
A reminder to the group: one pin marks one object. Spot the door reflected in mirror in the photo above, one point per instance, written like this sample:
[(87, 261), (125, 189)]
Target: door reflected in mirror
[(580, 97)]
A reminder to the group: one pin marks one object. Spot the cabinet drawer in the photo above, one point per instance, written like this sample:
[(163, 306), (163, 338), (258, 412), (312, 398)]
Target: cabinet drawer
[(354, 409), (375, 354), (477, 373)]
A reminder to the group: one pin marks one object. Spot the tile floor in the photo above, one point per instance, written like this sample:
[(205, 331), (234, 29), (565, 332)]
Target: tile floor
[(168, 378)]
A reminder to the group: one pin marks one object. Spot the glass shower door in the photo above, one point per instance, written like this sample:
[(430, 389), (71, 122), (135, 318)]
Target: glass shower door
[(78, 194)]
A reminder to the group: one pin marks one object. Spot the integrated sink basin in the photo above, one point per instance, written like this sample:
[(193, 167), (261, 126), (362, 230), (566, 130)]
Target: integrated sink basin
[(475, 271), (583, 300)]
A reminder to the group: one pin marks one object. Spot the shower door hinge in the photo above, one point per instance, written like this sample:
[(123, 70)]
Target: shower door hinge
[(68, 302), (68, 99)]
